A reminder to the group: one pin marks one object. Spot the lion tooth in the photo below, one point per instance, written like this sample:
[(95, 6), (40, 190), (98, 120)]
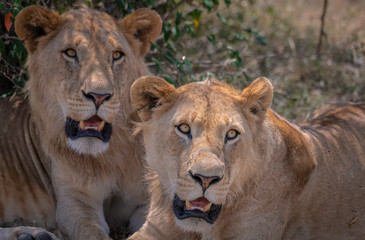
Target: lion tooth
[(91, 127), (197, 208), (207, 207), (188, 205), (101, 125), (82, 125)]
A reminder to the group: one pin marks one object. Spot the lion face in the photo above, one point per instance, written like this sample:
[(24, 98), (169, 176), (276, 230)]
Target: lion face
[(198, 138), (83, 64)]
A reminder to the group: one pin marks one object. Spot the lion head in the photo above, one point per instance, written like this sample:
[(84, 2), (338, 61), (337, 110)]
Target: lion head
[(200, 142), (82, 64)]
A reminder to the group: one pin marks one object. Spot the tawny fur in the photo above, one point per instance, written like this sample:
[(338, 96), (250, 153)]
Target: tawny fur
[(281, 180), (81, 187)]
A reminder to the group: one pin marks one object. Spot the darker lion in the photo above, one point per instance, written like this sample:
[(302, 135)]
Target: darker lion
[(68, 159)]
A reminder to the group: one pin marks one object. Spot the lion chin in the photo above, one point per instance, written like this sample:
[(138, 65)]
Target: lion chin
[(90, 136), (88, 146)]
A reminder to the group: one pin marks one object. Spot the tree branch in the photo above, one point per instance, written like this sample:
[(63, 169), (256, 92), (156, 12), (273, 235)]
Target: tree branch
[(322, 32)]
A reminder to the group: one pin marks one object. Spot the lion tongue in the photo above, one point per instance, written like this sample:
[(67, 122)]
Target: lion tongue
[(201, 204), (94, 123)]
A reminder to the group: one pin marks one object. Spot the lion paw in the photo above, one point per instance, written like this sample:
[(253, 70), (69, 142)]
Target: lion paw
[(39, 236), (26, 233)]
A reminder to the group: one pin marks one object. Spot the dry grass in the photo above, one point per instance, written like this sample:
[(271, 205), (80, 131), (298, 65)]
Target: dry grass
[(302, 82)]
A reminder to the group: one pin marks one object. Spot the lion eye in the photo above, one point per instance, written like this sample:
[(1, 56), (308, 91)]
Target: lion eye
[(231, 134), (71, 53), (117, 55), (184, 128)]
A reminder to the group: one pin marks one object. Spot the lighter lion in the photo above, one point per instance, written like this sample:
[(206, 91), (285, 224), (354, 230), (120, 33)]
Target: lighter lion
[(223, 165)]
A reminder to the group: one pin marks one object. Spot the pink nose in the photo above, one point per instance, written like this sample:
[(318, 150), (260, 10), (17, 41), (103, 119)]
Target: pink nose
[(205, 181), (98, 98)]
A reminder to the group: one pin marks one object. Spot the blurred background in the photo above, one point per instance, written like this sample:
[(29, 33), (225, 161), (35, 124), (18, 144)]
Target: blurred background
[(312, 50)]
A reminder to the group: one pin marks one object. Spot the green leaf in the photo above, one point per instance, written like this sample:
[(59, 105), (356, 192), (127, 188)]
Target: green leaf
[(62, 10), (170, 45), (130, 7), (157, 62), (169, 56), (178, 18), (260, 40), (175, 32), (258, 37), (189, 29), (166, 29), (211, 38), (187, 65), (19, 49), (236, 55), (148, 2), (208, 4), (2, 7), (240, 37), (121, 4), (154, 45), (248, 30), (196, 15), (16, 3), (227, 2), (221, 17)]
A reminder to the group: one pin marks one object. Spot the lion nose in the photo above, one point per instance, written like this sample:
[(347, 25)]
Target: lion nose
[(205, 181), (97, 98)]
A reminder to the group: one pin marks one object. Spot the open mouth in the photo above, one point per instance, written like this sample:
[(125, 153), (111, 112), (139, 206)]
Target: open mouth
[(92, 127), (198, 208)]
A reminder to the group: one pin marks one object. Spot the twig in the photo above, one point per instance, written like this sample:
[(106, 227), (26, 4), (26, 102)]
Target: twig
[(6, 37), (47, 3), (322, 33)]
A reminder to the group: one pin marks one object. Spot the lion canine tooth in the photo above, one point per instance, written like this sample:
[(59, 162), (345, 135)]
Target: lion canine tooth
[(207, 207), (101, 125), (188, 205), (82, 125)]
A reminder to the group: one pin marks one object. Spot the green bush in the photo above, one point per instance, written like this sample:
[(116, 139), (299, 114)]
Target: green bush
[(171, 56)]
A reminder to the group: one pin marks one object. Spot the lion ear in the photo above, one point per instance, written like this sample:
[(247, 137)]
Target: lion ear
[(34, 22), (149, 92), (258, 96), (143, 25)]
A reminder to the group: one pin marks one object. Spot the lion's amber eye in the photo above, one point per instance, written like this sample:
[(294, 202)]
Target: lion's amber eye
[(71, 53), (184, 128), (117, 55), (231, 134)]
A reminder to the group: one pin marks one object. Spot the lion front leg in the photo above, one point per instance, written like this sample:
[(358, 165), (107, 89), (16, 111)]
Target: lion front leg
[(26, 233), (161, 229), (148, 232), (80, 214), (82, 220)]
